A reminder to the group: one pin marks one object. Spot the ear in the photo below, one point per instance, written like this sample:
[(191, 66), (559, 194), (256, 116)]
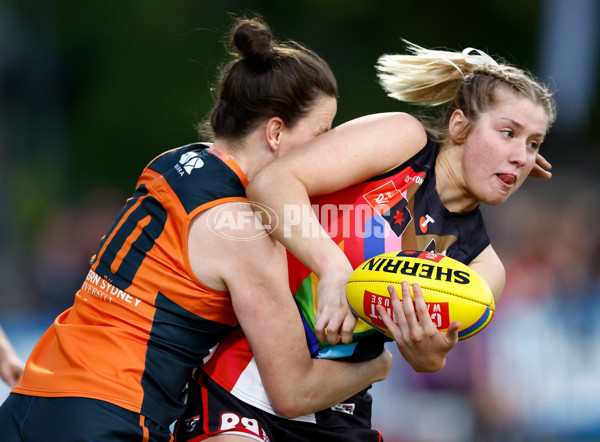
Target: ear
[(273, 132), (458, 126)]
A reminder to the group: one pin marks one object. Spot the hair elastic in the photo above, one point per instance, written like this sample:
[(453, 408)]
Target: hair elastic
[(453, 64), (478, 60)]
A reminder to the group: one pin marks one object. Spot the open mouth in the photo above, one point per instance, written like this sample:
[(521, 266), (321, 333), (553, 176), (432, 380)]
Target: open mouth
[(507, 178)]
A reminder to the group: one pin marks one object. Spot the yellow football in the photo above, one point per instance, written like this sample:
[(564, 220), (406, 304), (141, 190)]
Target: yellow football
[(452, 290)]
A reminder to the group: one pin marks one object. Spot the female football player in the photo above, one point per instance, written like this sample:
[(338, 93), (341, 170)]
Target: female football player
[(185, 263), (380, 183)]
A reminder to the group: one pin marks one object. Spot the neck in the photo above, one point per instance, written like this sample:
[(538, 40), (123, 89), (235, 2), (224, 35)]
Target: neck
[(250, 154), (450, 181)]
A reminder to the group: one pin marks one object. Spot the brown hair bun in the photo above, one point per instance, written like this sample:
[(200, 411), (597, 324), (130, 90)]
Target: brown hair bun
[(253, 40)]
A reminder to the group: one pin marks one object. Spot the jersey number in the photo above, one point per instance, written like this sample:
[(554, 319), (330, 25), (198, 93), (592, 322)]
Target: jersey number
[(131, 236)]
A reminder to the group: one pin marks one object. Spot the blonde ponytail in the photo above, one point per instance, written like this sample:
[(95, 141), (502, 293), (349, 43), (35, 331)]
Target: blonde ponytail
[(458, 80), (426, 76)]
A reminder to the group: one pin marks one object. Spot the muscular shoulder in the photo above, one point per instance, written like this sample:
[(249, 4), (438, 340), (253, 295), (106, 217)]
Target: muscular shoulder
[(230, 240)]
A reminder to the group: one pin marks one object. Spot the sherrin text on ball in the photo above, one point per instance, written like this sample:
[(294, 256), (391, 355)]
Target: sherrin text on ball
[(452, 290)]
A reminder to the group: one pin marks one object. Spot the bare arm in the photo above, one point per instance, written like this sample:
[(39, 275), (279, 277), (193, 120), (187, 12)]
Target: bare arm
[(490, 268), (346, 155), (255, 274), (11, 366)]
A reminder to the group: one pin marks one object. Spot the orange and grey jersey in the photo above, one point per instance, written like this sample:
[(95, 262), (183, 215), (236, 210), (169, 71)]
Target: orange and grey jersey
[(142, 321)]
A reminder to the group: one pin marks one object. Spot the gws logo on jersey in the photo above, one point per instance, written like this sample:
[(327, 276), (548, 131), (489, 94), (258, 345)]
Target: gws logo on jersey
[(188, 162)]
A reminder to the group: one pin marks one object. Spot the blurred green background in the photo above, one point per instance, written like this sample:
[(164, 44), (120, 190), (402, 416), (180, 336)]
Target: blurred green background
[(90, 92)]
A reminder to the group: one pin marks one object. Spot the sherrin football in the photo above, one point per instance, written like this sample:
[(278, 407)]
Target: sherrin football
[(452, 290)]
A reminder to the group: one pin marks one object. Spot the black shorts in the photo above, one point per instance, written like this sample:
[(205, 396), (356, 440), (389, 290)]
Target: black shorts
[(65, 419), (213, 410)]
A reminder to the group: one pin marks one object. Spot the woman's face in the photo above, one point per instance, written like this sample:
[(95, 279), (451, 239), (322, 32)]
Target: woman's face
[(501, 148), (316, 122)]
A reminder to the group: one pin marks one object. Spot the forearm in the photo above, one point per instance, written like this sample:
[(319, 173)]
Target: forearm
[(295, 383), (324, 383), (298, 229)]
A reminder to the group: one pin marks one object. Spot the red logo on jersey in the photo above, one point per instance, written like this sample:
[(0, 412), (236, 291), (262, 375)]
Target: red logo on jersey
[(389, 202), (431, 256), (424, 222), (384, 197)]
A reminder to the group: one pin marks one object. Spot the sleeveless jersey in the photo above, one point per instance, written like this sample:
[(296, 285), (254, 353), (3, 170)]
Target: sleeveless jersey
[(142, 321), (399, 210)]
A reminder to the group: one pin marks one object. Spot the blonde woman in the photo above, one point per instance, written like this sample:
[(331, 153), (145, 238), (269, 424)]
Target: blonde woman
[(397, 182)]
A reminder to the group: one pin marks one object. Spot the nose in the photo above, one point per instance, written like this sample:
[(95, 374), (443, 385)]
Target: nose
[(518, 154)]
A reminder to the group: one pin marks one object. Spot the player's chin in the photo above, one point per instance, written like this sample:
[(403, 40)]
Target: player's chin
[(500, 190), (495, 201), (499, 196)]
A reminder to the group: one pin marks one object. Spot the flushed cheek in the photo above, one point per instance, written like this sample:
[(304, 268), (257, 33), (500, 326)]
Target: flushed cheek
[(530, 163), (481, 155)]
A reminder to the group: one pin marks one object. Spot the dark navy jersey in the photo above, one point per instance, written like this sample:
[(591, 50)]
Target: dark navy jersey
[(428, 224)]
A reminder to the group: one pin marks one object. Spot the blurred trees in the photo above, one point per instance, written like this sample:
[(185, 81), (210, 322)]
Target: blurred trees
[(91, 91), (133, 78)]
